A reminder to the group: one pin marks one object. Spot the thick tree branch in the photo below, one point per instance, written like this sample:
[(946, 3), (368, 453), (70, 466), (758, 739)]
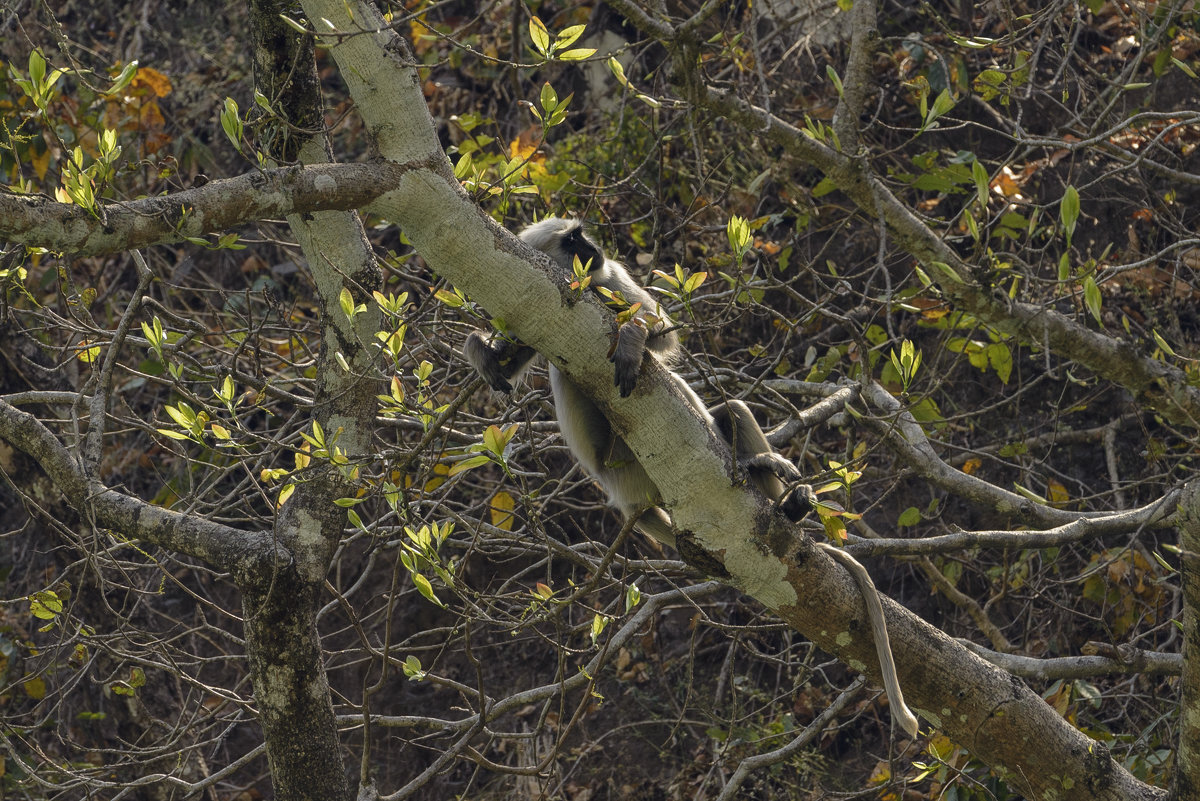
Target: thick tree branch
[(283, 643), (857, 82), (977, 704), (1135, 662), (251, 556), (216, 206), (1187, 775)]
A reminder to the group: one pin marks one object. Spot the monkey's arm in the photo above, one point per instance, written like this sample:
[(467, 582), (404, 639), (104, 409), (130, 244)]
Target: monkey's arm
[(498, 365), (627, 354)]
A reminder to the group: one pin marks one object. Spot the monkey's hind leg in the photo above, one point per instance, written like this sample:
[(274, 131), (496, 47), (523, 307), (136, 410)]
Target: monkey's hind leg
[(775, 476)]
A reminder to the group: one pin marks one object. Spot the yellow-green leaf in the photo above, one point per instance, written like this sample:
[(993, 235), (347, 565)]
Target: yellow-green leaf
[(501, 510), (1162, 343), (45, 605), (1068, 212), (449, 298), (468, 464), (88, 353), (1091, 297), (539, 35), (578, 54)]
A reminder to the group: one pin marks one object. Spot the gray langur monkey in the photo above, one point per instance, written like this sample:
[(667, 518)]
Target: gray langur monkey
[(602, 452), (605, 455)]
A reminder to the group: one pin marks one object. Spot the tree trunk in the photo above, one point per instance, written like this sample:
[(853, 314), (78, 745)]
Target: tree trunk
[(1187, 760)]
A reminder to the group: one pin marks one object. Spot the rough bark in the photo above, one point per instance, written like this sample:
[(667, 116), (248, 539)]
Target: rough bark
[(974, 703), (216, 206), (282, 641), (1187, 768)]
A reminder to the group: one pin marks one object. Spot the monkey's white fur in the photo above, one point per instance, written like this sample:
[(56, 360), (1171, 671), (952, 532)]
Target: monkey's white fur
[(609, 460)]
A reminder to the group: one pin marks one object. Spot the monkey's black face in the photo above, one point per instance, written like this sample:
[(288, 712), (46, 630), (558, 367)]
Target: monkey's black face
[(575, 243)]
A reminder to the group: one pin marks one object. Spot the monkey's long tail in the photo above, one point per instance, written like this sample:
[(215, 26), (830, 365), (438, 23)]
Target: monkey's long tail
[(883, 646)]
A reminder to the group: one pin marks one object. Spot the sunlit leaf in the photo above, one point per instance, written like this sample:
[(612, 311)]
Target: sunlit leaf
[(539, 35), (1068, 211), (501, 509)]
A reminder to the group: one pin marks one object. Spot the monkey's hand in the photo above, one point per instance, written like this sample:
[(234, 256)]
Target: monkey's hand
[(497, 365), (627, 354), (800, 499)]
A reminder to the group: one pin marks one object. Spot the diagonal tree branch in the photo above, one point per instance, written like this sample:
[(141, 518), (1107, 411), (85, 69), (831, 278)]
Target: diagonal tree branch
[(978, 705)]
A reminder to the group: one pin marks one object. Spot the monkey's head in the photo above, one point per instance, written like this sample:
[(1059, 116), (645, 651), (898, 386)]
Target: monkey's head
[(563, 240)]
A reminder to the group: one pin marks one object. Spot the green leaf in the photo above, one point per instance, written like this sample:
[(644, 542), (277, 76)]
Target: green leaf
[(599, 623), (633, 596), (1091, 297), (1162, 343), (468, 464), (909, 517), (540, 36), (738, 232), (450, 298), (1068, 211), (137, 677), (45, 604), (496, 439), (567, 36), (1030, 494), (548, 98), (412, 669), (231, 123), (1186, 69), (979, 174), (426, 589), (941, 104), (181, 414), (37, 67), (122, 80), (226, 391), (824, 187), (1000, 358), (618, 71), (946, 271), (578, 54), (834, 78)]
